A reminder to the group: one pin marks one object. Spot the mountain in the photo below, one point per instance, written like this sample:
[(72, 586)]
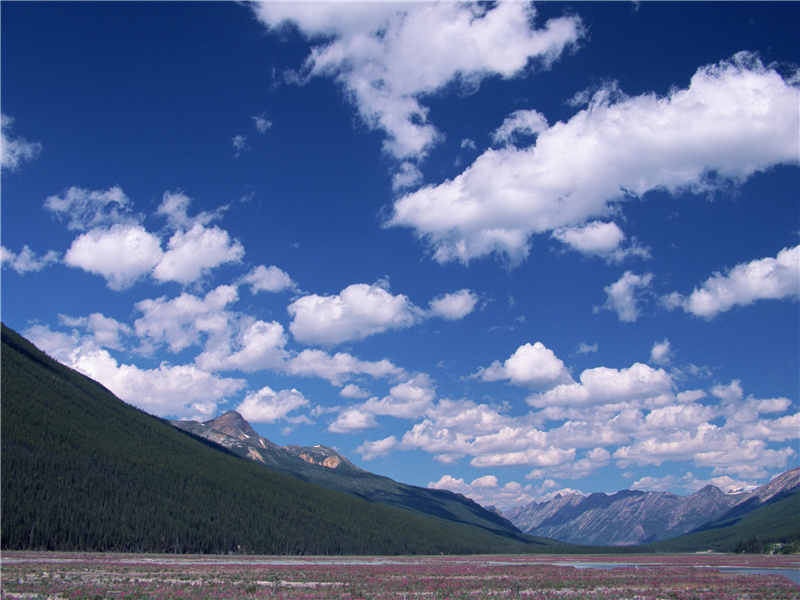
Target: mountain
[(83, 471), (775, 521), (325, 467), (632, 517)]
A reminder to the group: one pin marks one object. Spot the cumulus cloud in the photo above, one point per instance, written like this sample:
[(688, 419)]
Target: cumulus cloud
[(269, 406), (175, 208), (623, 295), (388, 57), (91, 209), (736, 118), (600, 239), (371, 450), (268, 279), (193, 253), (257, 345), (182, 391), (26, 261), (340, 367), (661, 353), (521, 122), (180, 322), (532, 365), (17, 150), (358, 311), (106, 332), (603, 385), (407, 175), (454, 306), (762, 279), (121, 254), (352, 420), (406, 400)]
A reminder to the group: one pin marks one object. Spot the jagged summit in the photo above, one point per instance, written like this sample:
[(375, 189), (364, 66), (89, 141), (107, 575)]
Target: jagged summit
[(634, 517), (233, 424)]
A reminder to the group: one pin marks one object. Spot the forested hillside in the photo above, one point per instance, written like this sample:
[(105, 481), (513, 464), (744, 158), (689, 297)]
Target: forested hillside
[(82, 470)]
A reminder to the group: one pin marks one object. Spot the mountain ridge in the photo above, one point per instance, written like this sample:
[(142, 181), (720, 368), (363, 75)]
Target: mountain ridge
[(325, 467), (633, 517)]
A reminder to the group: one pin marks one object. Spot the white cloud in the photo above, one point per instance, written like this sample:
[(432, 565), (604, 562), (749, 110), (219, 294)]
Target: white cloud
[(340, 367), (406, 400), (26, 261), (175, 207), (106, 331), (454, 306), (179, 322), (121, 254), (661, 353), (268, 279), (181, 391), (191, 254), (372, 450), (487, 491), (262, 123), (388, 57), (736, 118), (767, 278), (257, 345), (407, 175), (91, 209), (525, 122), (358, 311), (600, 239), (353, 391), (239, 144), (534, 365), (352, 420), (585, 348), (593, 238), (269, 406), (15, 151), (625, 293), (603, 385)]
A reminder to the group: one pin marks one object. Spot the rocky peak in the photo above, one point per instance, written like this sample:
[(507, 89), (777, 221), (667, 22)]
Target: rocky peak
[(234, 425), (319, 455)]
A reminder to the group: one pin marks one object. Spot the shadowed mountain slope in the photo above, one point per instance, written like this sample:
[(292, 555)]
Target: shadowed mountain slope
[(82, 470), (325, 467)]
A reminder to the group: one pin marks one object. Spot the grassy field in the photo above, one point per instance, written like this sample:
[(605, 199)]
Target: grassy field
[(32, 575)]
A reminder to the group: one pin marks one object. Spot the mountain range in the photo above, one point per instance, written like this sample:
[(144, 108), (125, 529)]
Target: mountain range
[(632, 517), (84, 471)]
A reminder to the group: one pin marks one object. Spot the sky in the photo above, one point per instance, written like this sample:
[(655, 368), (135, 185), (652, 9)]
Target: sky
[(504, 249)]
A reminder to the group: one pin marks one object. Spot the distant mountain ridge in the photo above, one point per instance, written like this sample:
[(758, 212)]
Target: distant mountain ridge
[(325, 467), (631, 517)]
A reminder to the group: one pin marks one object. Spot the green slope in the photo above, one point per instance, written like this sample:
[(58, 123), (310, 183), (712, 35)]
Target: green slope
[(357, 482), (777, 522), (82, 470)]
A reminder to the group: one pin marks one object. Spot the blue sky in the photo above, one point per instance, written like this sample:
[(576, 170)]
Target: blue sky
[(504, 249)]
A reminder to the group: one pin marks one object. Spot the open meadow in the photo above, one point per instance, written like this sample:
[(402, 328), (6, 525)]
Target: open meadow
[(34, 575)]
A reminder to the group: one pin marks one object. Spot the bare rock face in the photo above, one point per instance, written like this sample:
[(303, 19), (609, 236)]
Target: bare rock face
[(234, 425), (318, 455)]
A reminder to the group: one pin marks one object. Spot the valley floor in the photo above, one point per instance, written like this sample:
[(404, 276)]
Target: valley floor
[(57, 576)]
